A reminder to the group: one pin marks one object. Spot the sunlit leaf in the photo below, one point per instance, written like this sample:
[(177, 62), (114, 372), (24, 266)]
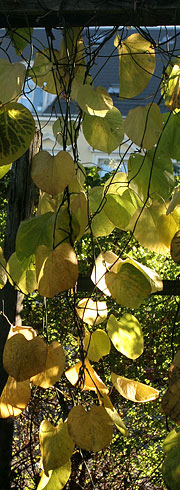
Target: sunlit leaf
[(171, 464), (90, 430), (56, 445), (159, 227), (113, 414), (47, 74), (96, 344), (17, 129), (28, 332), (52, 173), (175, 200), (4, 169), (57, 270), (56, 479), (136, 64), (24, 358), (12, 77), (14, 397), (170, 87), (96, 102), (151, 175), (85, 377), (134, 390), (143, 125), (54, 367), (92, 312), (104, 262), (104, 134), (126, 335), (22, 273), (101, 224)]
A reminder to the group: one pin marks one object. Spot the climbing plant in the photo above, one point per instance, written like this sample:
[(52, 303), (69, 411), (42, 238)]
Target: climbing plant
[(142, 201)]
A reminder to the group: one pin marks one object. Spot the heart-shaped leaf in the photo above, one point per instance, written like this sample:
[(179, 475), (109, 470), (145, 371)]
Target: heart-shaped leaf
[(56, 445), (23, 359), (56, 479), (96, 344), (91, 430), (17, 129), (57, 270), (52, 173), (143, 125), (104, 262)]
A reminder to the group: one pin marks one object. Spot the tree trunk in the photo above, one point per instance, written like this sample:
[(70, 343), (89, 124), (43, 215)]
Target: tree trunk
[(20, 205)]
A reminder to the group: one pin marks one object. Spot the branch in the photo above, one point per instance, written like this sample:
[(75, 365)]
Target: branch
[(170, 287), (54, 13)]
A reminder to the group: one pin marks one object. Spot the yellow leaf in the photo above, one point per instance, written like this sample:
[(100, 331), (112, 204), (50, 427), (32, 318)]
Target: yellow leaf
[(91, 430), (57, 270), (56, 479), (12, 77), (126, 335), (52, 173), (85, 378), (143, 125), (136, 64), (134, 390), (24, 358), (14, 397), (96, 102), (97, 345), (54, 367), (56, 445), (92, 312), (113, 414)]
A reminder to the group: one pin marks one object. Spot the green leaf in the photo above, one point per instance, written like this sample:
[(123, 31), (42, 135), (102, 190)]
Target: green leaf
[(17, 129), (126, 335), (45, 74), (169, 141), (104, 134), (143, 125), (171, 465), (22, 273), (57, 479), (120, 209), (31, 233), (136, 64), (160, 228), (154, 169), (101, 225), (97, 345), (21, 38), (56, 445), (12, 76), (129, 286)]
